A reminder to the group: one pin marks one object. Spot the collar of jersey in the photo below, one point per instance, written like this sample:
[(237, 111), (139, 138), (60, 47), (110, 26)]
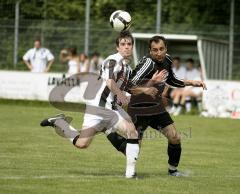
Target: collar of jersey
[(122, 59)]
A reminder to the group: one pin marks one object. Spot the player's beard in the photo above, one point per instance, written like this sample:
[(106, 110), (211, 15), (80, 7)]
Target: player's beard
[(158, 59)]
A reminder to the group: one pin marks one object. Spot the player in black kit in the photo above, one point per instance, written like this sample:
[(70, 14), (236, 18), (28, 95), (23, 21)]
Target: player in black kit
[(146, 111)]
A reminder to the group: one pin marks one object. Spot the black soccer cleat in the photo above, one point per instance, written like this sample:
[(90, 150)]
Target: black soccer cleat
[(132, 177), (51, 120), (175, 173)]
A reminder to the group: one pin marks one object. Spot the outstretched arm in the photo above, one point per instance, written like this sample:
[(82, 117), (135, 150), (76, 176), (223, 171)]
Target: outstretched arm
[(195, 83)]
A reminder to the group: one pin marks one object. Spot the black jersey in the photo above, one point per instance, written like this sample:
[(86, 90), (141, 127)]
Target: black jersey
[(144, 104), (147, 67)]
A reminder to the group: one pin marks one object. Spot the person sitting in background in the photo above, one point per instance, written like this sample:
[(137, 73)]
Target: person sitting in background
[(84, 63), (95, 63), (178, 69), (188, 92), (180, 72), (38, 59), (71, 56)]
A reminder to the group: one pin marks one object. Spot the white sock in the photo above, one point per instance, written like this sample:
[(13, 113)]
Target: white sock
[(199, 106), (178, 110), (173, 109), (132, 151), (64, 129), (188, 106)]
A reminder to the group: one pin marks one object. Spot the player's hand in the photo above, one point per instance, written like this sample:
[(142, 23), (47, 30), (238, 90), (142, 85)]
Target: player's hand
[(30, 66), (151, 92), (159, 77), (122, 99), (199, 84)]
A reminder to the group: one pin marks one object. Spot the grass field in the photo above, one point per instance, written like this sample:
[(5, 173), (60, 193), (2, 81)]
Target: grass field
[(36, 160)]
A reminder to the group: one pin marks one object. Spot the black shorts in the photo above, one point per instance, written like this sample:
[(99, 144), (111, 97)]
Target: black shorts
[(157, 122)]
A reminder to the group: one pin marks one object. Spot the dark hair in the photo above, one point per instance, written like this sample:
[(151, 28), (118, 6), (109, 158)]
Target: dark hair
[(83, 54), (177, 58), (97, 54), (37, 39), (190, 60), (73, 50), (157, 39), (122, 35)]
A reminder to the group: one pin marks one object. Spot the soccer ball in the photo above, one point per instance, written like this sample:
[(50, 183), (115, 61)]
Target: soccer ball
[(120, 20)]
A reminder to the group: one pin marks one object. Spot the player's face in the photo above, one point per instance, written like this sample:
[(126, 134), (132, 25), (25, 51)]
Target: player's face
[(125, 47), (158, 51), (37, 44)]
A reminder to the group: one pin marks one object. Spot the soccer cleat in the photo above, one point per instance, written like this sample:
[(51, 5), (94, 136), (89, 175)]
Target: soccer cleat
[(175, 173), (134, 176), (51, 120)]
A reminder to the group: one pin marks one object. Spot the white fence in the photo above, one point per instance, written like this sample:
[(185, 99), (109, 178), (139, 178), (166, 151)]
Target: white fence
[(221, 99)]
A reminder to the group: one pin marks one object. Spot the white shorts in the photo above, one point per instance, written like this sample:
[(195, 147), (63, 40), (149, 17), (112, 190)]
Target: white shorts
[(196, 90), (102, 119)]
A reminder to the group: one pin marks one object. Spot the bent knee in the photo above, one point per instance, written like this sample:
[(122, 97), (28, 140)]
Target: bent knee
[(175, 139), (81, 145), (132, 133)]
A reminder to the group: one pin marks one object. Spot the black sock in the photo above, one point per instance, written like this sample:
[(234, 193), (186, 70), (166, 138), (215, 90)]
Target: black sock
[(75, 139), (175, 105), (174, 154), (118, 141)]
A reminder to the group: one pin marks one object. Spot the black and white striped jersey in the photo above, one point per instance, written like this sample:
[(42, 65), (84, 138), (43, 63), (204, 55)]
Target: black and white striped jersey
[(113, 67), (147, 67)]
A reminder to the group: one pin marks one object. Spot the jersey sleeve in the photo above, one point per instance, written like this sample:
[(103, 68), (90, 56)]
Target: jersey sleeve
[(49, 55), (107, 70), (144, 67), (172, 80), (26, 56)]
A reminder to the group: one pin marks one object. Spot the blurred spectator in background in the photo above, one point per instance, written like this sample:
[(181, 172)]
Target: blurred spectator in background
[(84, 63), (95, 63), (70, 55), (188, 92), (38, 59), (180, 72), (178, 69)]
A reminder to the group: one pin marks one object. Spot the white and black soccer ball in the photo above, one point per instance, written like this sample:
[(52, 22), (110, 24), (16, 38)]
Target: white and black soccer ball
[(120, 20)]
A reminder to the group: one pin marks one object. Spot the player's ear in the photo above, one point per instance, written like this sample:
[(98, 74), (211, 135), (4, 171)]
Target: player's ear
[(150, 52), (117, 48)]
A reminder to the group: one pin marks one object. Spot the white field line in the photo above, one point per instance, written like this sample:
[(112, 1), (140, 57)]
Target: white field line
[(85, 177)]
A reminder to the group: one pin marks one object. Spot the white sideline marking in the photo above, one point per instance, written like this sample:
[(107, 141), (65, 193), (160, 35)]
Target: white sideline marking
[(83, 177)]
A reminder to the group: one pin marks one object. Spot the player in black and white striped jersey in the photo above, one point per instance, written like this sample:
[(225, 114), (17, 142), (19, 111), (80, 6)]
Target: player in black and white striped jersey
[(114, 67), (146, 111), (103, 112)]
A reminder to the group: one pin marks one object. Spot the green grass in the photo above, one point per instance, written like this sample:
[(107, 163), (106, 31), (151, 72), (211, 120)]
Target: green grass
[(36, 160)]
